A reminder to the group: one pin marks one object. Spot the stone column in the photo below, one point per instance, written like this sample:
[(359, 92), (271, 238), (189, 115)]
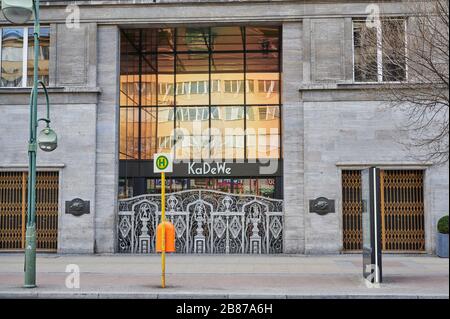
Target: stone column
[(107, 164), (292, 130)]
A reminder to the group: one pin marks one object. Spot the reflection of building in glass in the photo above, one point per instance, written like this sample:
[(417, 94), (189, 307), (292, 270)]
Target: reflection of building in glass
[(202, 93), (217, 78), (17, 55)]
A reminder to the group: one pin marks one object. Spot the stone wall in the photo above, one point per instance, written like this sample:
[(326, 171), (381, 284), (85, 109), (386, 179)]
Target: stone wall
[(75, 124), (107, 165), (352, 134), (292, 132), (328, 122)]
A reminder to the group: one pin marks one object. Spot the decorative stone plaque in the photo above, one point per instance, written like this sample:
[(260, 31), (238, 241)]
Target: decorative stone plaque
[(78, 207), (321, 206)]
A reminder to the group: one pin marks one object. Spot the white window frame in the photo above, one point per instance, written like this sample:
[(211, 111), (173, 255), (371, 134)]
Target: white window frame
[(24, 80), (1, 46), (379, 51), (25, 58), (26, 30)]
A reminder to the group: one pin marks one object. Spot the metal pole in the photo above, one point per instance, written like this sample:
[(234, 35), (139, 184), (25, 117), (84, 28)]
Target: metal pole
[(30, 238), (163, 231)]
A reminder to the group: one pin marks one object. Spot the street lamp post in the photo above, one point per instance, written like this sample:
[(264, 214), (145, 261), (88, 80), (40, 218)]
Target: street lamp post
[(19, 12)]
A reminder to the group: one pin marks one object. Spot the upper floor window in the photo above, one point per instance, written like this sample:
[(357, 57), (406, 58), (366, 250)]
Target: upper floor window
[(213, 91), (17, 56), (379, 50)]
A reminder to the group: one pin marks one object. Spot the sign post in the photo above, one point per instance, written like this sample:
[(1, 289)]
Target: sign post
[(163, 164), (371, 225)]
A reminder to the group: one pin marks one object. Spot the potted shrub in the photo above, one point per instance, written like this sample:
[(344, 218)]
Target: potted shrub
[(442, 237)]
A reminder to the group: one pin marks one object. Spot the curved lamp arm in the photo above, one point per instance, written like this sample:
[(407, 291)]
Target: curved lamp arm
[(47, 101)]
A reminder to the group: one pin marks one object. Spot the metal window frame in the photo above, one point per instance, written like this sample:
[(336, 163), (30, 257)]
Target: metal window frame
[(1, 60), (25, 57), (24, 53), (379, 52), (210, 53), (25, 47)]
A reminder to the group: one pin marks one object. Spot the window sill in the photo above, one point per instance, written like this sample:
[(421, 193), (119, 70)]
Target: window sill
[(51, 89), (5, 167), (355, 86)]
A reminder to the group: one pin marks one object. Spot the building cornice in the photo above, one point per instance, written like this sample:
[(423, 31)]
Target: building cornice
[(349, 91), (58, 95), (23, 167), (54, 89), (385, 165), (171, 12), (195, 2)]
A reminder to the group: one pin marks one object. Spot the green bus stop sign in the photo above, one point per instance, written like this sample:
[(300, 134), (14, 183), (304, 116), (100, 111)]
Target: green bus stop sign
[(162, 163)]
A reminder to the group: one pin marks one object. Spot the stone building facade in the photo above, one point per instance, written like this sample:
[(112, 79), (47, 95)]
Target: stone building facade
[(330, 122)]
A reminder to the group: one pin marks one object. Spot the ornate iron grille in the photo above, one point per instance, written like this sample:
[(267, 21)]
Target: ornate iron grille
[(402, 210), (205, 222), (13, 208), (351, 210)]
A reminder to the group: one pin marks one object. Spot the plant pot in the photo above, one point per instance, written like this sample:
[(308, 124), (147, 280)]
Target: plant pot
[(442, 245)]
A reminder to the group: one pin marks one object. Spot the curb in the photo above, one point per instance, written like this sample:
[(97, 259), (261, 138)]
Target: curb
[(143, 295)]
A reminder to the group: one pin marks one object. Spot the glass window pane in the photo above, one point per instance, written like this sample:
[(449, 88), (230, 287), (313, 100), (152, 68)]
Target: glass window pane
[(227, 62), (263, 132), (44, 45), (129, 42), (262, 85), (192, 63), (249, 186), (192, 39), (165, 129), (227, 88), (148, 80), (176, 185), (166, 79), (263, 62), (192, 133), (12, 57), (227, 78), (148, 132), (255, 186), (394, 50), (266, 187), (223, 185), (125, 188), (192, 79), (129, 133), (129, 88), (129, 71), (263, 88), (227, 38), (365, 52), (227, 132), (149, 40), (262, 38), (165, 40)]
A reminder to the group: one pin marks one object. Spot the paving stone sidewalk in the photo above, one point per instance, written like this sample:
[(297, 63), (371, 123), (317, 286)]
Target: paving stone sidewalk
[(200, 276)]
